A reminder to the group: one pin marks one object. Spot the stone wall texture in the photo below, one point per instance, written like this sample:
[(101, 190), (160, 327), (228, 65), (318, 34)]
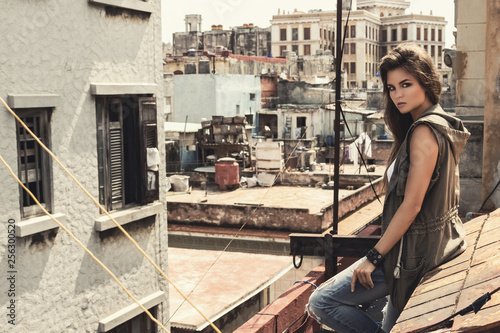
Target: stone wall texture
[(61, 47)]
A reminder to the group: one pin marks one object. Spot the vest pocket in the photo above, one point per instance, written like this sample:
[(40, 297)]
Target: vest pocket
[(411, 265), (408, 281)]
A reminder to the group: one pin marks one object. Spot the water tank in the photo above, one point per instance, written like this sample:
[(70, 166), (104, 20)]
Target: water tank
[(227, 173)]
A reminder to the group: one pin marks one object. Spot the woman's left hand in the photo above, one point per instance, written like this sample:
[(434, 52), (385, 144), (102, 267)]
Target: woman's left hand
[(363, 273)]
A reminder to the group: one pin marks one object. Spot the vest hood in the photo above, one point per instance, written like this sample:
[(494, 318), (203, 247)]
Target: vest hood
[(450, 127)]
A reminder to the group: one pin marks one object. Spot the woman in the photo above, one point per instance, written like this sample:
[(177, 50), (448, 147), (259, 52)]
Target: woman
[(420, 224)]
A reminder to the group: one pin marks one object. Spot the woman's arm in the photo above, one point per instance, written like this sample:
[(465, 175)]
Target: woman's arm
[(423, 158)]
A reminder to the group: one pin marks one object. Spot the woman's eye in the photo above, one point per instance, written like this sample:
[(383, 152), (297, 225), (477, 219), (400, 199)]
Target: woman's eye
[(390, 88), (406, 85)]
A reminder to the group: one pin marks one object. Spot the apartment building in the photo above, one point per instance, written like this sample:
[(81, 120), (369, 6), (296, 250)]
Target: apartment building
[(374, 28), (86, 78)]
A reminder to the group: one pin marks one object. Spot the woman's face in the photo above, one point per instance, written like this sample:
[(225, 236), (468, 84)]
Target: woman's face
[(407, 93)]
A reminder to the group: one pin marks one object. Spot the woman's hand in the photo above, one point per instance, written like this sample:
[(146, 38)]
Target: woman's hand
[(363, 273)]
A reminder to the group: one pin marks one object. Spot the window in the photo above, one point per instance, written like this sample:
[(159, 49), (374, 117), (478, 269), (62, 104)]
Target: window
[(440, 35), (252, 97), (33, 161), (426, 34), (346, 67), (394, 35), (433, 34), (295, 33), (346, 48), (440, 51), (283, 34), (432, 51), (282, 49), (295, 48), (126, 142), (366, 31), (346, 31), (384, 36), (353, 68), (307, 33), (307, 49), (404, 33), (353, 31), (139, 324), (418, 34), (353, 48)]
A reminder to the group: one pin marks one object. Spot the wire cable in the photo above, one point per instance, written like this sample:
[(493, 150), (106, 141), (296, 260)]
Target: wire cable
[(82, 246), (474, 306), (342, 112), (239, 230), (492, 191), (106, 212)]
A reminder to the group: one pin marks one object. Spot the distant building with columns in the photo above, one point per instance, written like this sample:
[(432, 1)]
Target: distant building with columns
[(375, 27)]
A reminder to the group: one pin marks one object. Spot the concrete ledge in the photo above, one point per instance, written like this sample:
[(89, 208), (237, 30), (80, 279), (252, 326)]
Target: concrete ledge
[(140, 6), (130, 311), (125, 216), (23, 101), (38, 224), (98, 89)]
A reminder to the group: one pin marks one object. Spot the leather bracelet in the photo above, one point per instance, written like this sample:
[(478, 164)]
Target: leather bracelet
[(374, 257)]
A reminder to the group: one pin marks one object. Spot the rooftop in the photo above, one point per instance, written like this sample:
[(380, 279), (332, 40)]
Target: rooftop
[(456, 284), (222, 288)]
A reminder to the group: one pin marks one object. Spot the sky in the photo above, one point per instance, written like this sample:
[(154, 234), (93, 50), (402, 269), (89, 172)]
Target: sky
[(231, 13)]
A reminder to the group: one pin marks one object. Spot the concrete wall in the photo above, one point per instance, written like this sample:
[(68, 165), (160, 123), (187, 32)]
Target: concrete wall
[(59, 48), (491, 156), (291, 92), (470, 59), (168, 84), (202, 96), (268, 218)]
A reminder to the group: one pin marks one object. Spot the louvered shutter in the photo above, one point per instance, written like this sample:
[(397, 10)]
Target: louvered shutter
[(115, 149), (149, 139)]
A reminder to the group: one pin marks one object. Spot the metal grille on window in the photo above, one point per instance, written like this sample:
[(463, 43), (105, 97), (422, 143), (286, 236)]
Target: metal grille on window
[(33, 167)]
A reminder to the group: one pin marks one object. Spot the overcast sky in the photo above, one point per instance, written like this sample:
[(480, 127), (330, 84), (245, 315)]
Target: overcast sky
[(231, 13)]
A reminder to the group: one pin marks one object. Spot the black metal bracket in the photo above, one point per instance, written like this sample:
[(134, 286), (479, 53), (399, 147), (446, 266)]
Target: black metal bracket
[(331, 247)]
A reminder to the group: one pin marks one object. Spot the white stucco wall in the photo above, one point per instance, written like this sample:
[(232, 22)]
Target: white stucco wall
[(204, 95), (61, 47)]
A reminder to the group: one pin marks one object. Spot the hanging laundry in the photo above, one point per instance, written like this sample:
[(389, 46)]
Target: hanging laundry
[(153, 159), (368, 146)]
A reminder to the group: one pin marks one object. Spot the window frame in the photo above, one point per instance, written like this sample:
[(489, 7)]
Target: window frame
[(44, 195), (283, 34), (307, 33), (140, 6), (307, 49), (394, 35), (122, 150), (404, 34)]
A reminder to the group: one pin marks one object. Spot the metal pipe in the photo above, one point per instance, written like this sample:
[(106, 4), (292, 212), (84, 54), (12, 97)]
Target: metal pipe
[(336, 128)]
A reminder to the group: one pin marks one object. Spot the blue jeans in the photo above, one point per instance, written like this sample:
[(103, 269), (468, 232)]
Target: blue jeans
[(334, 305)]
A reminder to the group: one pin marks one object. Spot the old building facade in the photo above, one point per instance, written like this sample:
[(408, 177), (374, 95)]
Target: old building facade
[(93, 95), (374, 28), (246, 39)]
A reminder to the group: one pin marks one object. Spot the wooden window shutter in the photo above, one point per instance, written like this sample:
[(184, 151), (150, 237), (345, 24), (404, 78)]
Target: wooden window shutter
[(148, 146), (115, 149)]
